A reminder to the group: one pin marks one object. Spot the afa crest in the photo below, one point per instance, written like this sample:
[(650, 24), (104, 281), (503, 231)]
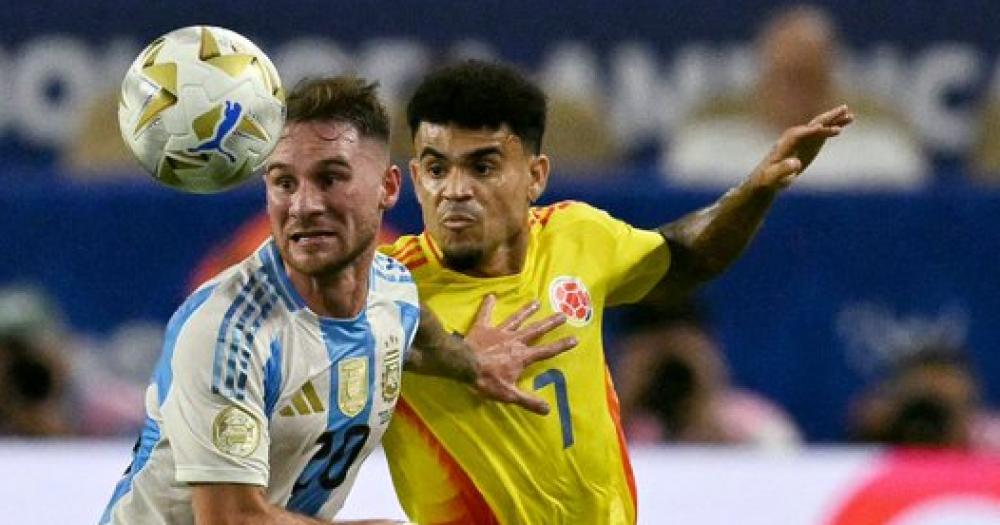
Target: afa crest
[(352, 393), (569, 296), (392, 370)]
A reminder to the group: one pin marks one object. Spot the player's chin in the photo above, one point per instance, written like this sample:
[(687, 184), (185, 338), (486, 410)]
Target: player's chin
[(460, 239), (461, 242), (315, 262), (316, 267), (463, 256)]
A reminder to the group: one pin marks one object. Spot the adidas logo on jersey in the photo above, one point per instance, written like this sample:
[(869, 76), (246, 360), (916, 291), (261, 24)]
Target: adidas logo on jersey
[(304, 402)]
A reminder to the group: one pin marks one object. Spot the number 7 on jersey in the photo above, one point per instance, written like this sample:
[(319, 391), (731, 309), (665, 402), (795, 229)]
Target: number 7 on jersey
[(556, 378)]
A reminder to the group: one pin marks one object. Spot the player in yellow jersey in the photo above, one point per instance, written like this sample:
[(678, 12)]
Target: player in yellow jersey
[(478, 168)]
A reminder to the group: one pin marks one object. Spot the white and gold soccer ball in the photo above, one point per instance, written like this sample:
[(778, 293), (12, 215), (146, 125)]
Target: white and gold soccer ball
[(201, 108)]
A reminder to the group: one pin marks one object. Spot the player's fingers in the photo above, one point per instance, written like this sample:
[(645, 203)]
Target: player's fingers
[(825, 125), (820, 132), (843, 120), (485, 313), (829, 117), (517, 318), (536, 330), (538, 353), (790, 139), (529, 402)]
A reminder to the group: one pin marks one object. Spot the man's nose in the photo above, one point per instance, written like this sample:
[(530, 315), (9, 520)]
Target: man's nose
[(457, 185), (308, 200)]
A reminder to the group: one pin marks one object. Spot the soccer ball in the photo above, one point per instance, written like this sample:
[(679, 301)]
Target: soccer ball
[(201, 108)]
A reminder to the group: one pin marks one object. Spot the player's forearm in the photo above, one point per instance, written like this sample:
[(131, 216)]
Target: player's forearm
[(438, 353), (234, 504), (283, 517), (704, 243), (279, 516)]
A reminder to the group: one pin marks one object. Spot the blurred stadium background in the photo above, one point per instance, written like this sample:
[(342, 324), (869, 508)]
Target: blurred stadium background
[(889, 252)]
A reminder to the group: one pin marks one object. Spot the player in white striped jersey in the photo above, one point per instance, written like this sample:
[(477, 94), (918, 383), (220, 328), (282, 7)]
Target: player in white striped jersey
[(279, 376)]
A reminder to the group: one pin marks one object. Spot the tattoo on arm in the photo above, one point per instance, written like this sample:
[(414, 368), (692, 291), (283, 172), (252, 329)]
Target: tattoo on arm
[(704, 243), (436, 352)]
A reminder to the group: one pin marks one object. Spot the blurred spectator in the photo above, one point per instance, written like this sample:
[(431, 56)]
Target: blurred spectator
[(797, 54), (578, 137), (930, 399), (400, 141), (984, 160), (578, 132), (53, 384), (674, 387), (110, 376), (96, 149), (33, 370)]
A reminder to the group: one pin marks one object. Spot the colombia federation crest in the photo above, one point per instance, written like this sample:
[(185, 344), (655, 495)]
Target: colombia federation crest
[(570, 296)]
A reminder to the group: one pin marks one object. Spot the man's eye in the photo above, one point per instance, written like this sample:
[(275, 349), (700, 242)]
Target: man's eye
[(436, 170), (484, 168)]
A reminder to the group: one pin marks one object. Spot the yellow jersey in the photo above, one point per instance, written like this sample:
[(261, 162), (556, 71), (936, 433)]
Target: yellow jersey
[(458, 459)]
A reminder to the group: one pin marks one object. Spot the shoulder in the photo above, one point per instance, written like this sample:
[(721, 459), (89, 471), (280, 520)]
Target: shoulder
[(579, 216), (393, 277), (204, 306), (409, 250), (401, 247), (229, 322), (246, 294), (388, 268)]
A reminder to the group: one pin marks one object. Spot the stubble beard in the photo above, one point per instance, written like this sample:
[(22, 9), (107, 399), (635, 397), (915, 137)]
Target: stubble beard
[(463, 259), (335, 266)]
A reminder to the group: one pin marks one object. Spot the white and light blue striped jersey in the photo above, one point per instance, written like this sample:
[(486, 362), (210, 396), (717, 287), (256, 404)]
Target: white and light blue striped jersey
[(254, 388)]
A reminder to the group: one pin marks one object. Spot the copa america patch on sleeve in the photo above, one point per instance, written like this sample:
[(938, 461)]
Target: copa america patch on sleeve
[(236, 432)]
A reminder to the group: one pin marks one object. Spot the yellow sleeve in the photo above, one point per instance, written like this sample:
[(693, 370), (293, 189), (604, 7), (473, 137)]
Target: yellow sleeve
[(635, 260)]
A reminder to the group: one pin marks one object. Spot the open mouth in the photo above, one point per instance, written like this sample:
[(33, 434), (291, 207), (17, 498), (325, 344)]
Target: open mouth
[(306, 236)]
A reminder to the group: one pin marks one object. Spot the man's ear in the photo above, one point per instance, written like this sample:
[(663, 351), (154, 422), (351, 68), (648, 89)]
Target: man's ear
[(539, 171), (392, 183)]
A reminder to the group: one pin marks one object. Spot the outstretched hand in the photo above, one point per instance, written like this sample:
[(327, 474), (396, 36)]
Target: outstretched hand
[(504, 351), (797, 147)]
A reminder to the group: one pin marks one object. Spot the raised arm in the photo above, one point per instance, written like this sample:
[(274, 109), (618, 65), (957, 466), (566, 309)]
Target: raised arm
[(489, 358), (704, 243)]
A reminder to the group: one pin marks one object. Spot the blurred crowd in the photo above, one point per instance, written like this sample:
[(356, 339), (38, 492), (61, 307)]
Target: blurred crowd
[(55, 383), (674, 387), (669, 368), (799, 70)]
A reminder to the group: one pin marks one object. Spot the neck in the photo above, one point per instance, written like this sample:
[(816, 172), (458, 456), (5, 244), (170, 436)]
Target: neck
[(341, 293)]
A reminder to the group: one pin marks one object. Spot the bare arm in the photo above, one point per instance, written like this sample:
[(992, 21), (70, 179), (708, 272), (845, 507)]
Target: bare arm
[(704, 243), (232, 504), (436, 352), (489, 358)]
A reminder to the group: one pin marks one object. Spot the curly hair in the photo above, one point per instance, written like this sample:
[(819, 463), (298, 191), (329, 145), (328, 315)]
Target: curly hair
[(476, 94)]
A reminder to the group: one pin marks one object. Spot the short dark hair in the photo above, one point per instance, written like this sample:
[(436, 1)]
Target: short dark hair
[(477, 94), (345, 98)]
